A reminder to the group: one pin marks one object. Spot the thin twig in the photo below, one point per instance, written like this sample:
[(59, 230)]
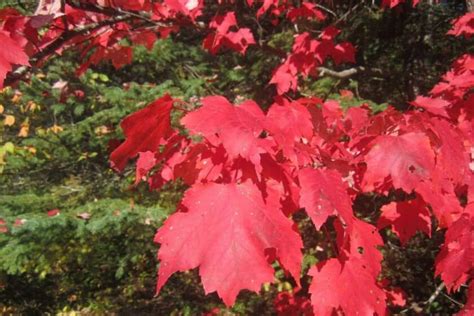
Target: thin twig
[(326, 9), (453, 300), (435, 294), (323, 71)]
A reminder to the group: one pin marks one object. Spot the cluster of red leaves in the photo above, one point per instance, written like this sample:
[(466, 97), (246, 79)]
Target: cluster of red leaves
[(223, 37), (248, 170), (100, 30), (307, 55)]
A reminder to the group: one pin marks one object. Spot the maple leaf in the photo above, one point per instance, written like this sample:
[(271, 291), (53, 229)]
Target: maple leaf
[(144, 131), (266, 5), (456, 258), (441, 196), (343, 52), (350, 282), (391, 3), (348, 286), (225, 233), (285, 78), (451, 157), (10, 54), (145, 162), (323, 194), (434, 105), (147, 39), (189, 8), (237, 40), (406, 218), (463, 25), (407, 158), (360, 242), (279, 176), (289, 124), (49, 7), (128, 4), (197, 162), (307, 54), (120, 56), (306, 10), (356, 119), (237, 128), (332, 112), (396, 297)]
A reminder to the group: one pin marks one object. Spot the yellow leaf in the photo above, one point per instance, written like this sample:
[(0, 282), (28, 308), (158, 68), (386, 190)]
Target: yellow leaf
[(5, 90), (31, 106), (9, 120), (56, 129), (16, 98), (25, 128), (40, 131), (31, 149), (102, 130), (1, 109)]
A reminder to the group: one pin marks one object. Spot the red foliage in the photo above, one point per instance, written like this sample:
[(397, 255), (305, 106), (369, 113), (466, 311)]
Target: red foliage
[(250, 170)]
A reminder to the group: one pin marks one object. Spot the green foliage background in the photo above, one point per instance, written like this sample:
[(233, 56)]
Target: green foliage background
[(97, 255)]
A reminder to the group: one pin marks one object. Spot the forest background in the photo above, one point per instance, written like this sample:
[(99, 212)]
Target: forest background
[(77, 236)]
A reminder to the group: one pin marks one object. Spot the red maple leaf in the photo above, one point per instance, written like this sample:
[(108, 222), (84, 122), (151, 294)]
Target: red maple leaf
[(452, 157), (456, 258), (306, 10), (408, 159), (144, 131), (145, 162), (223, 37), (349, 283), (225, 232), (237, 128), (348, 286), (361, 241), (195, 163), (434, 105), (395, 295), (463, 25), (289, 124), (440, 194), (285, 78), (10, 54), (323, 194), (406, 218)]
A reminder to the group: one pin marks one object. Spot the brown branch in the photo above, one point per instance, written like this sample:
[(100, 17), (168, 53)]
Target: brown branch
[(435, 294), (343, 74), (347, 73), (110, 11)]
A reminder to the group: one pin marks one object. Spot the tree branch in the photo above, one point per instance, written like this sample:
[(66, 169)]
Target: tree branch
[(116, 16), (57, 43), (435, 294), (347, 73), (343, 74)]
